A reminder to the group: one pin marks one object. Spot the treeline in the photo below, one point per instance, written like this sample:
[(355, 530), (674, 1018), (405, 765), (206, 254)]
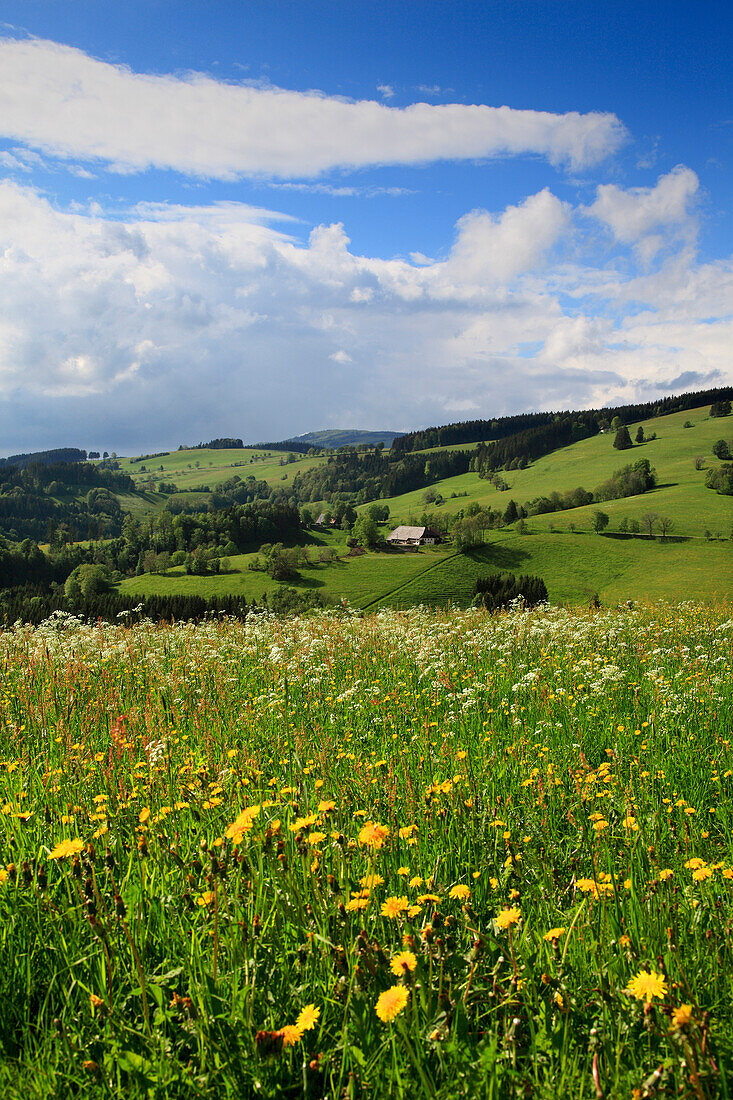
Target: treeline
[(198, 542), (369, 476), (44, 458), (516, 451), (476, 431), (225, 443), (287, 445), (498, 590), (37, 500), (33, 605)]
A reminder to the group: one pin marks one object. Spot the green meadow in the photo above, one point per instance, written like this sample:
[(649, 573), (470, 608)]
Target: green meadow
[(681, 492), (421, 855)]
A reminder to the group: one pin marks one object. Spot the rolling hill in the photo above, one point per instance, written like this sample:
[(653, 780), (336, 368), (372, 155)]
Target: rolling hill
[(695, 561)]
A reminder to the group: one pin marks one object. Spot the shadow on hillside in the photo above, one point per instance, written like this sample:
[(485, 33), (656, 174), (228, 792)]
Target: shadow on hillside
[(502, 558), (307, 582), (622, 536)]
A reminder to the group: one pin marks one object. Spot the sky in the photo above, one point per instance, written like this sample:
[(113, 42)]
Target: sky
[(259, 218)]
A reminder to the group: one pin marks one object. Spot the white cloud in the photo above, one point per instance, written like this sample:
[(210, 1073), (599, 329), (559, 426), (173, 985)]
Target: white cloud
[(385, 90), (180, 323), (633, 213), (58, 99)]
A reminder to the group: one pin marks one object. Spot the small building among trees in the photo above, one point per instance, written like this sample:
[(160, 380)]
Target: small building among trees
[(413, 536)]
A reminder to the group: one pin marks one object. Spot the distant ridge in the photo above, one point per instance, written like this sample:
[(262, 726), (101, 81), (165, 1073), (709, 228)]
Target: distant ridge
[(344, 437)]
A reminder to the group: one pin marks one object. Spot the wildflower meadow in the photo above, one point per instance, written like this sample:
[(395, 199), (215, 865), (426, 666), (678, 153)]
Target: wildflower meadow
[(420, 853)]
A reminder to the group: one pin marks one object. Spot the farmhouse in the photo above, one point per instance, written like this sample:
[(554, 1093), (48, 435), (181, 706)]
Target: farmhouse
[(413, 536)]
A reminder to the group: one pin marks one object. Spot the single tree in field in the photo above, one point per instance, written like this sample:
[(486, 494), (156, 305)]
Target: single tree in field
[(622, 442), (640, 435), (721, 450), (649, 520), (599, 521), (665, 526)]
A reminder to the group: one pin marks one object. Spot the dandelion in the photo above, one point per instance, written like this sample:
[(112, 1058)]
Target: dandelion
[(665, 874), (554, 934), (144, 815), (356, 903), (66, 848), (507, 918), (391, 1002), (702, 873), (403, 963), (290, 1034), (368, 882), (460, 891), (394, 907), (646, 985), (682, 1017), (307, 1018), (372, 835)]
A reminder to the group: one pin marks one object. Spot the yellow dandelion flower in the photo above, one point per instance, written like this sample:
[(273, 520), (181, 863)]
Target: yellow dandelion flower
[(402, 963), (370, 881), (95, 1002), (554, 934), (290, 1035), (393, 907), (423, 898), (66, 848), (307, 1018), (373, 835), (356, 903), (695, 863), (391, 1002), (646, 985), (414, 910), (326, 806), (665, 874), (702, 873), (460, 891), (682, 1016), (507, 918)]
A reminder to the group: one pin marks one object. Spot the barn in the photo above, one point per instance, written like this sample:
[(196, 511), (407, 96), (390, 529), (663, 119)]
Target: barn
[(413, 536)]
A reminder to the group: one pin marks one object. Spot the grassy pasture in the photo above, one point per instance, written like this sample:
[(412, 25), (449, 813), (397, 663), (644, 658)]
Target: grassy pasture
[(360, 580), (577, 566), (410, 855), (681, 493), (216, 466)]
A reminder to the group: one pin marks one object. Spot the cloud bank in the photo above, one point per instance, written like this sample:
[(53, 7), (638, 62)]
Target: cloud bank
[(179, 323), (61, 101)]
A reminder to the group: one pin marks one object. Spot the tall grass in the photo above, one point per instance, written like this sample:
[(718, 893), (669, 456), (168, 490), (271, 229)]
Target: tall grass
[(416, 854)]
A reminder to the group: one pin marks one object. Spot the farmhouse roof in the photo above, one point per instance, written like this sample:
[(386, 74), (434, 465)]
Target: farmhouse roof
[(403, 534)]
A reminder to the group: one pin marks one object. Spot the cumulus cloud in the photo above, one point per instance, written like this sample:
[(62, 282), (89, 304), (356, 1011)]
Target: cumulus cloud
[(632, 214), (58, 99), (180, 323)]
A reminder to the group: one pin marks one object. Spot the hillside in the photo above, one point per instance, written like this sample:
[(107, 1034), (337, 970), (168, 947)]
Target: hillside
[(681, 491), (344, 437), (561, 547)]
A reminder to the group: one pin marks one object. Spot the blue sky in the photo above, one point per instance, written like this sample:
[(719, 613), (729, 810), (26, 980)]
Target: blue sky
[(259, 219)]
